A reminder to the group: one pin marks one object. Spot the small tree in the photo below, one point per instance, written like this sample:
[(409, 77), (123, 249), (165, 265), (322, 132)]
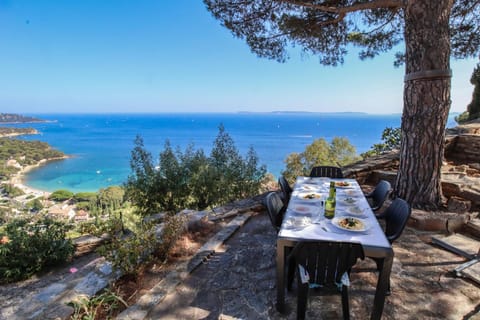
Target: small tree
[(319, 153), (391, 138), (34, 205), (111, 198), (141, 187), (474, 106), (61, 195)]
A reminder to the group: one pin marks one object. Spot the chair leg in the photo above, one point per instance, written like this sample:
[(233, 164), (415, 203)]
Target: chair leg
[(290, 272), (302, 296), (345, 305)]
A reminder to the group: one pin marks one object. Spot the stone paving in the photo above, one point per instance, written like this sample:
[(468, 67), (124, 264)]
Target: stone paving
[(46, 296), (238, 282)]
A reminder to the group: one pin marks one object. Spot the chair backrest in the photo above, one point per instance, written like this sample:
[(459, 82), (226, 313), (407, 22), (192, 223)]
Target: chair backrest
[(275, 209), (326, 171), (286, 189), (326, 261), (396, 217), (379, 194)]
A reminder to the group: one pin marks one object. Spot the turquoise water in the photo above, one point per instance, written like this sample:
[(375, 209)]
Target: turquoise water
[(100, 145)]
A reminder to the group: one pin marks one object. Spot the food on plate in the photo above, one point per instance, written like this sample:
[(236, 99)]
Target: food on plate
[(342, 184), (349, 200), (312, 196), (351, 224), (302, 209), (355, 209)]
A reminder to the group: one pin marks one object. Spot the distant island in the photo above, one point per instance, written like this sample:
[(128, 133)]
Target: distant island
[(305, 112), (17, 118)]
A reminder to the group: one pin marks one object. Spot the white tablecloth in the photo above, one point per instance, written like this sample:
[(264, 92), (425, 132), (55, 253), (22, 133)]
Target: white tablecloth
[(304, 218)]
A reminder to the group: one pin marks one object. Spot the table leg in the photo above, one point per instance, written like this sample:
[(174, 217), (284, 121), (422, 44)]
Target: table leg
[(382, 286), (280, 277)]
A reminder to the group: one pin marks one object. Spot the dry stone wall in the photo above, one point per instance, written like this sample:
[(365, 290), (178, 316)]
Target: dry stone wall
[(460, 173), (465, 149)]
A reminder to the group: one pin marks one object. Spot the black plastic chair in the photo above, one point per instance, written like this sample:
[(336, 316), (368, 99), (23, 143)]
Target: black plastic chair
[(396, 217), (377, 197), (275, 209), (286, 189), (326, 171), (325, 263)]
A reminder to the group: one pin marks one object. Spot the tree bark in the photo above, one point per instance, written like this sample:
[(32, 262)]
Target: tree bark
[(426, 102)]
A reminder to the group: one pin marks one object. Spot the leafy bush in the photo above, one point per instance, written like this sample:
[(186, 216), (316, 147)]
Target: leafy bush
[(28, 247), (127, 252), (319, 153), (391, 138), (173, 228), (109, 226), (190, 178)]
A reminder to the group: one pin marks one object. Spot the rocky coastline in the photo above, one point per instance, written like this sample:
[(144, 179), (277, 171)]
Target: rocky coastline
[(15, 132)]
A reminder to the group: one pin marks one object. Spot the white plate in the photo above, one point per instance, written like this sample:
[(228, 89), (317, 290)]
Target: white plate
[(305, 209), (343, 185), (349, 201), (356, 211), (309, 187), (298, 222), (336, 222), (310, 196), (350, 192)]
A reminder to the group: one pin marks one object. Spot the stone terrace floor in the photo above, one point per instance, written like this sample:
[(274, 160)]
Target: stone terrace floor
[(239, 283)]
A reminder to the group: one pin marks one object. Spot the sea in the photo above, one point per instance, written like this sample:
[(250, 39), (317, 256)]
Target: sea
[(100, 145)]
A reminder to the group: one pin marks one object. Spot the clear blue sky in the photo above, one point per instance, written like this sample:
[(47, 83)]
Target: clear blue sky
[(164, 56)]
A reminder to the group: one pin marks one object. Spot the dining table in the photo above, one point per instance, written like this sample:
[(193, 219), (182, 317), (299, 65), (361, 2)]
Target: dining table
[(304, 221)]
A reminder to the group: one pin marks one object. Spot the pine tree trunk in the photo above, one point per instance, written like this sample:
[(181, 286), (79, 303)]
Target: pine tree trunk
[(426, 102)]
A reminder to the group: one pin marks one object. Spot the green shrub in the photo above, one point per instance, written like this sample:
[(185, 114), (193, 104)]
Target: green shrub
[(127, 252), (173, 228), (32, 246), (109, 226)]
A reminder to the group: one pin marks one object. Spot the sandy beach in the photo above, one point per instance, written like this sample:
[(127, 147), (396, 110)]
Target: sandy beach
[(18, 179)]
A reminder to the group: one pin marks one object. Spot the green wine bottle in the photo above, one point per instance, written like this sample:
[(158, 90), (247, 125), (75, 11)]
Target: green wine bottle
[(331, 202)]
